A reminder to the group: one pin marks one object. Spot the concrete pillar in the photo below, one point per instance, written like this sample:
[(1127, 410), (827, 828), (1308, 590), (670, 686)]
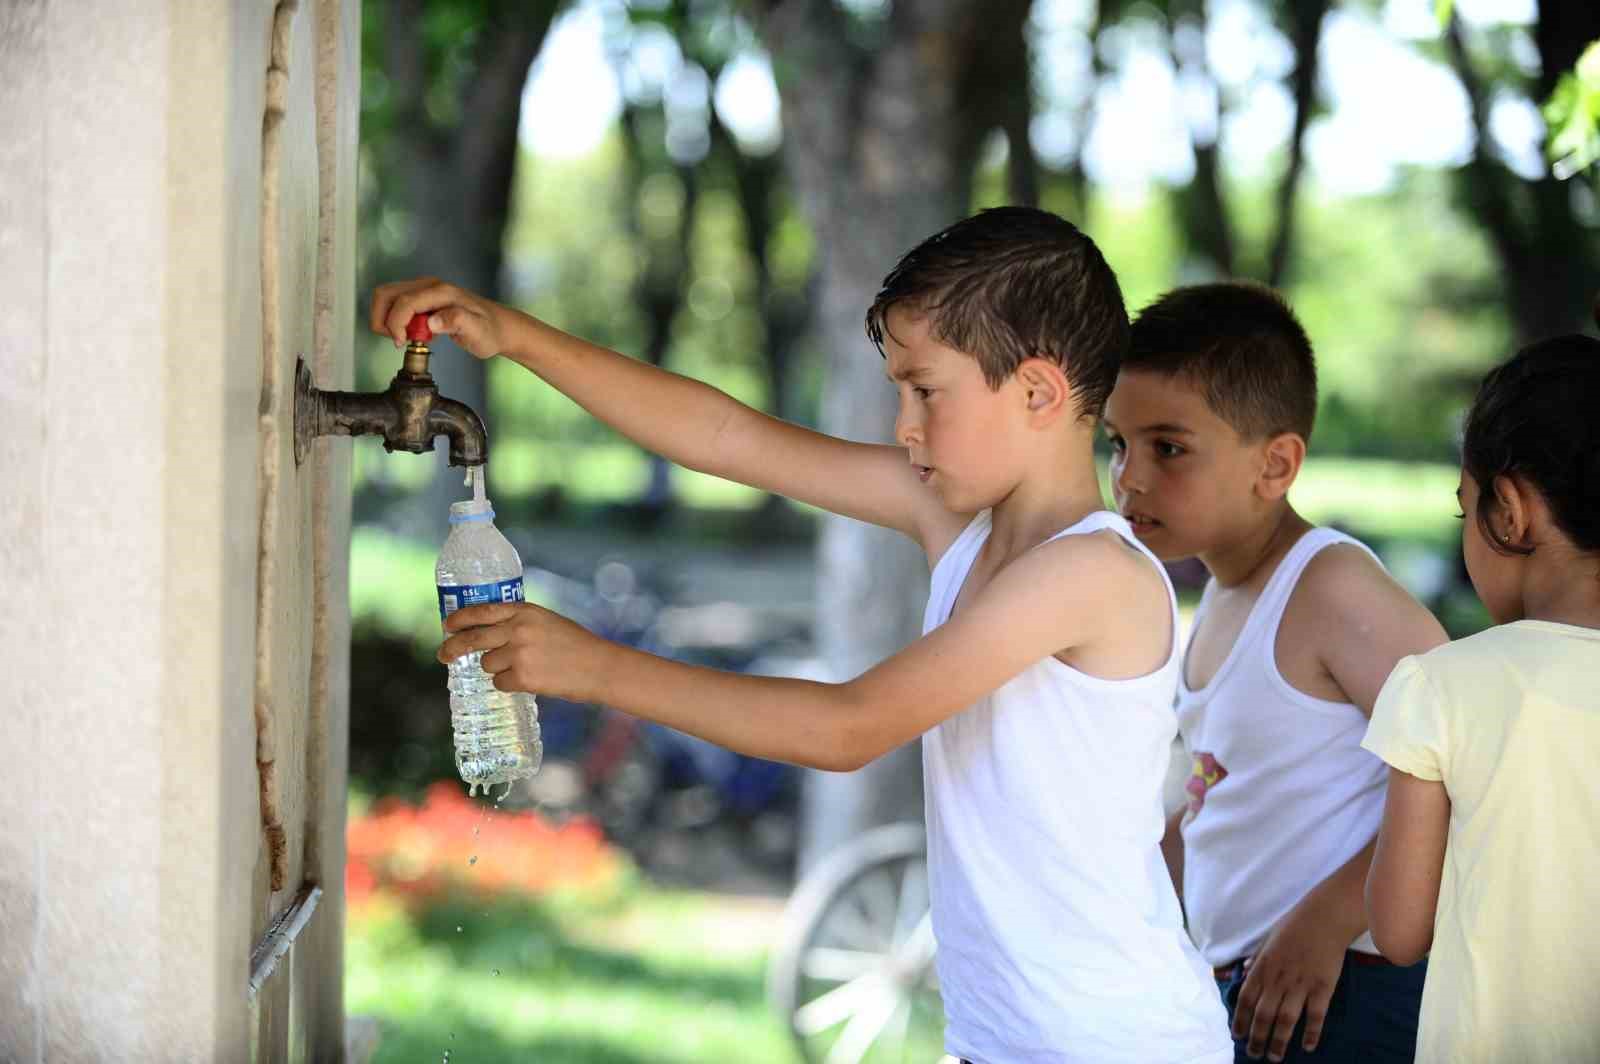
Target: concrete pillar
[(162, 267)]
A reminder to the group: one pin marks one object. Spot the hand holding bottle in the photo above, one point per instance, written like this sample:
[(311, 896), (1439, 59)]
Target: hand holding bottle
[(528, 648)]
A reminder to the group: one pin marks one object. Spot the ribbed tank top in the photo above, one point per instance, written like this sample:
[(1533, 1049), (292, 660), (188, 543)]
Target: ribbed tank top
[(1060, 936), (1281, 793)]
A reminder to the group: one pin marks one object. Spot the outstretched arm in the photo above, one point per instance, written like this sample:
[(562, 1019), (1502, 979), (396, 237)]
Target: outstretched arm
[(684, 420), (1042, 603)]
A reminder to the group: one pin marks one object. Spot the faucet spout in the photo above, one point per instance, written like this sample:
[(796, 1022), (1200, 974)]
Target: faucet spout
[(469, 441)]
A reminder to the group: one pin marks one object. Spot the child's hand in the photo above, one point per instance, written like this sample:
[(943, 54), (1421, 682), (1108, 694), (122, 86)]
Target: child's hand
[(1295, 972), (528, 648), (479, 325)]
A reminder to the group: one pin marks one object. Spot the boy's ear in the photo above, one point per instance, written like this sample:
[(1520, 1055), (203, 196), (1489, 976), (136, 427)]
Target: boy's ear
[(1045, 388), (1282, 458)]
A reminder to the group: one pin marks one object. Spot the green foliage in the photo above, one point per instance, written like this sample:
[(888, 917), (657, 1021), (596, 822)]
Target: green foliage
[(1572, 115), (1411, 501)]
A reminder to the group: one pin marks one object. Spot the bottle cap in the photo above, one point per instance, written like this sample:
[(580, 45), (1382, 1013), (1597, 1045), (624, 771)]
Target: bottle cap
[(471, 510), (417, 328)]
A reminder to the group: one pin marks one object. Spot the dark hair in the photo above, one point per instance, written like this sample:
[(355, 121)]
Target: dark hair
[(1242, 346), (1012, 283), (1538, 417)]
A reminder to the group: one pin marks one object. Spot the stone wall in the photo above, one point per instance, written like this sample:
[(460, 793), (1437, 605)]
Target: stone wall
[(177, 627)]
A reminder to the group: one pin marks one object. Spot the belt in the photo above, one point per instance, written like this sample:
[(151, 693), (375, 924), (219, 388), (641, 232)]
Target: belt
[(1354, 956)]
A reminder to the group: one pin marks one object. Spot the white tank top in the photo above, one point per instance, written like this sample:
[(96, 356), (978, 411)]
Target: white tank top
[(1281, 793), (1060, 936)]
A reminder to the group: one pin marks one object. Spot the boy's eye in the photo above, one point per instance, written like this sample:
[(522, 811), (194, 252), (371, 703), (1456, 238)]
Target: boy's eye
[(1118, 444), (921, 393), (1168, 450)]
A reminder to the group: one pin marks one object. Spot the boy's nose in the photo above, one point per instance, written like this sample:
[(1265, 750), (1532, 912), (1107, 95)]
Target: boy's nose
[(906, 430), (1127, 481)]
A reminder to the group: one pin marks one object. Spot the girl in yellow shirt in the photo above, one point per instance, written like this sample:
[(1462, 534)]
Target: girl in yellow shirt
[(1489, 854)]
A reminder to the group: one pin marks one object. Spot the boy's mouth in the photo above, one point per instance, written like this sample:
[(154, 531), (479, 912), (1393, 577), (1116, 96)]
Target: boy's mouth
[(1142, 524), (923, 472)]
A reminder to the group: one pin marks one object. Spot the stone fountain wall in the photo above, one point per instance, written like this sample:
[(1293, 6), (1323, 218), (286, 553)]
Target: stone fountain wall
[(176, 227)]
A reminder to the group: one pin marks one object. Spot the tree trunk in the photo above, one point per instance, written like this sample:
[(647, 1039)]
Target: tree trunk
[(785, 313), (1547, 254), (872, 138), (663, 281), (1202, 206), (452, 185), (1305, 33)]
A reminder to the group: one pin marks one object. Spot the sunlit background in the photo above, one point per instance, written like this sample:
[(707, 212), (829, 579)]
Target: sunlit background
[(646, 175)]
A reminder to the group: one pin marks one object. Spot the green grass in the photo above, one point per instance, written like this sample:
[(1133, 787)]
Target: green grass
[(654, 977), (1392, 500)]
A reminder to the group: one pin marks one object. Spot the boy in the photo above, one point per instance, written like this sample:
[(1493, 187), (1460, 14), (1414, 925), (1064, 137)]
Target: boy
[(1296, 633), (1042, 684)]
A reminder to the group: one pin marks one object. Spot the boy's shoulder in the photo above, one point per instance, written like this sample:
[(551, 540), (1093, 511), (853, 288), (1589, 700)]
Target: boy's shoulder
[(1343, 580), (1097, 549), (1097, 565), (1104, 573), (1346, 624)]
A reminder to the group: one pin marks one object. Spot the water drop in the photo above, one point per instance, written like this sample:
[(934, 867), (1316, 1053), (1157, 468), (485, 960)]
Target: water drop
[(472, 860), (496, 971), (458, 931)]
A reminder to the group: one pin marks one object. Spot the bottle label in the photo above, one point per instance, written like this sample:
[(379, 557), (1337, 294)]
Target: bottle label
[(453, 597)]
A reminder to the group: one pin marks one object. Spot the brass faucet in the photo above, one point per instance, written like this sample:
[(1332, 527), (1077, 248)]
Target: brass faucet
[(408, 414)]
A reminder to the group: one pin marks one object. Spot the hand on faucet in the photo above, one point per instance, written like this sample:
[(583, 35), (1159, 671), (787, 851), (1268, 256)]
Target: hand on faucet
[(479, 325)]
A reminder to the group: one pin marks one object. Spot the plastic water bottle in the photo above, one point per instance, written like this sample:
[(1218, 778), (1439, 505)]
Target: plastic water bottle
[(496, 732)]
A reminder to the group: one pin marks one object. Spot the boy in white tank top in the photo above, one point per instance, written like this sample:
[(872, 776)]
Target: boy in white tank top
[(1042, 686), (1296, 633)]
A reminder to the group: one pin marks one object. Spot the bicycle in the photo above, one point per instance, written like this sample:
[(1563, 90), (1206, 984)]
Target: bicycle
[(852, 973)]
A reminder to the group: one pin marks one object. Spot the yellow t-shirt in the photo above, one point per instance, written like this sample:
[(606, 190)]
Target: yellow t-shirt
[(1509, 719)]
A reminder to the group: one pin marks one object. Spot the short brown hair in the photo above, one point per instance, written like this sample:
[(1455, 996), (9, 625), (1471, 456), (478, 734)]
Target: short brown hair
[(1012, 283), (1242, 346)]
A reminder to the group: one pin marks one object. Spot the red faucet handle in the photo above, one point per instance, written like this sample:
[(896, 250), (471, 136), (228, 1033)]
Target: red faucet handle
[(418, 329)]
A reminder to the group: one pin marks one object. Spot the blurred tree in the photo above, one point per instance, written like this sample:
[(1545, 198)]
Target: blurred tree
[(710, 36), (664, 271), (1203, 208), (884, 107), (441, 105), (1546, 245)]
